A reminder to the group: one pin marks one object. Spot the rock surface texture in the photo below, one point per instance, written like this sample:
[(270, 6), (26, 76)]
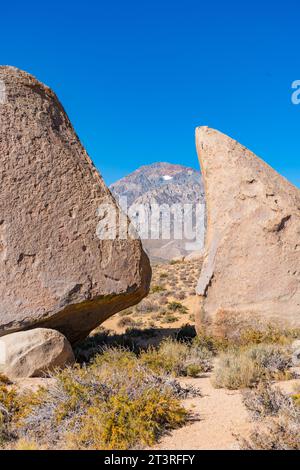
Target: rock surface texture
[(33, 353), (55, 272), (252, 253)]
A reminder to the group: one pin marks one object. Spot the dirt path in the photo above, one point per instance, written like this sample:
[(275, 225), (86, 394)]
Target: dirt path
[(219, 414)]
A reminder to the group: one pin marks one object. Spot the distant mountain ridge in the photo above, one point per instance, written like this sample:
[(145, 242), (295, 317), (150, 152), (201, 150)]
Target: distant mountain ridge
[(163, 183)]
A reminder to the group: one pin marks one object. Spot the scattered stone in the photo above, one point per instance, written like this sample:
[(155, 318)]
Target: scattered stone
[(32, 353)]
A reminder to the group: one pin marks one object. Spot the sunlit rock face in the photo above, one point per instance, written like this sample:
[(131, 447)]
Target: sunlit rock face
[(55, 271), (252, 252)]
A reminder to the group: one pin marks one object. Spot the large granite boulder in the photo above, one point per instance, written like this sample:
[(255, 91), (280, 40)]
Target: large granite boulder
[(55, 270), (252, 255), (33, 353)]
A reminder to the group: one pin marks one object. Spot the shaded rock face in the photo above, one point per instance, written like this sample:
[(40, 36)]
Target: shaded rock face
[(54, 270), (33, 353), (252, 253)]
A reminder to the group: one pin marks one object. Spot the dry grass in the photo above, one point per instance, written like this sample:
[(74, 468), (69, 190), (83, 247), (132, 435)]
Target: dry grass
[(245, 367)]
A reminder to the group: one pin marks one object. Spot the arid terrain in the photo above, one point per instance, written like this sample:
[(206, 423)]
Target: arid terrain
[(171, 303), (99, 349), (225, 388)]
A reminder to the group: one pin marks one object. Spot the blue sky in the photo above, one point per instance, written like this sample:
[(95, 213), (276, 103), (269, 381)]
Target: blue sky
[(136, 77)]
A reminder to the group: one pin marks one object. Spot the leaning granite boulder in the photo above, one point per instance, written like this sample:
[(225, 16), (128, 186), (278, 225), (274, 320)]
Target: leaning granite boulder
[(33, 353), (56, 269), (251, 262)]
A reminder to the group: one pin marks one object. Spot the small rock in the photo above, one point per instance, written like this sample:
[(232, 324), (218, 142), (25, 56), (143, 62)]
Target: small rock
[(32, 353)]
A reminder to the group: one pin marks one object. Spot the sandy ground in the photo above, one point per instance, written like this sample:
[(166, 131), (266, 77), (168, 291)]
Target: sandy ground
[(217, 416)]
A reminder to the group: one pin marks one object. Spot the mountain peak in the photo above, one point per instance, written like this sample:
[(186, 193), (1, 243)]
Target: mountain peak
[(162, 183)]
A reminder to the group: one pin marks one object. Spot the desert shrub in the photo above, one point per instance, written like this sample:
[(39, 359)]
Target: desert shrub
[(116, 402), (8, 406), (234, 371), (163, 275), (273, 360), (126, 321), (123, 422), (13, 406), (281, 430), (207, 341), (268, 334), (296, 398), (177, 358), (157, 288), (245, 330), (146, 306), (265, 401), (26, 444), (169, 318), (177, 307), (245, 367), (181, 295), (296, 394)]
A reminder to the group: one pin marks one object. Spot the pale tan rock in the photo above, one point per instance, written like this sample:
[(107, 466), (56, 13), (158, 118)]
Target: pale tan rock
[(194, 256), (54, 270), (32, 353), (252, 254)]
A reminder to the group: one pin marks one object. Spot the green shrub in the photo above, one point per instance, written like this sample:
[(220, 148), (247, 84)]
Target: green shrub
[(163, 275), (157, 288), (169, 318), (177, 307)]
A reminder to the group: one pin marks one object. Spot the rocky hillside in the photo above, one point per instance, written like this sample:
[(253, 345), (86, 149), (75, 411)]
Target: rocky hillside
[(165, 184)]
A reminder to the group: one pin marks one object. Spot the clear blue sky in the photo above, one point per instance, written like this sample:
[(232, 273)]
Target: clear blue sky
[(136, 77)]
